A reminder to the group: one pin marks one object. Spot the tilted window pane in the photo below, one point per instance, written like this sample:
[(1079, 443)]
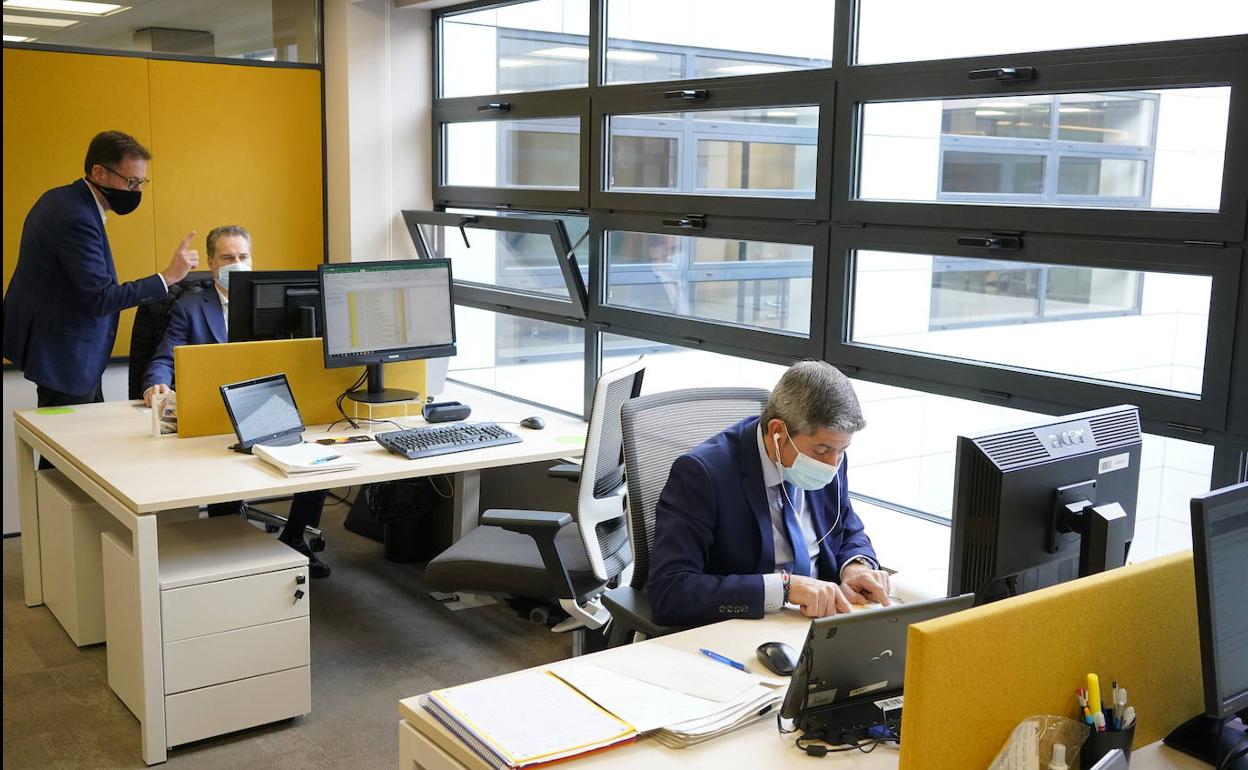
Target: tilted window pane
[(1122, 326), (533, 46), (744, 283), (916, 30), (656, 40), (521, 357), (511, 260), (539, 152), (1160, 149), (758, 151)]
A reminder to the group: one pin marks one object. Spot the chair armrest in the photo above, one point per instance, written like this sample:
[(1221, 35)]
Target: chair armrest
[(567, 471), (630, 611), (542, 526), (527, 522)]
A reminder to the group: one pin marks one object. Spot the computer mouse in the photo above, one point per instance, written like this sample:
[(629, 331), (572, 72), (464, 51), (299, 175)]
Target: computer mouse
[(533, 423), (778, 657)]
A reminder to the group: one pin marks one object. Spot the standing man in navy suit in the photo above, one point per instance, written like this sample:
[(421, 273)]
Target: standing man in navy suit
[(62, 306), (201, 318), (759, 516)]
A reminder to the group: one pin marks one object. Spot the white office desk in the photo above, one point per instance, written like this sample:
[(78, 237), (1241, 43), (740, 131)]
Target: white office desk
[(424, 744), (108, 451)]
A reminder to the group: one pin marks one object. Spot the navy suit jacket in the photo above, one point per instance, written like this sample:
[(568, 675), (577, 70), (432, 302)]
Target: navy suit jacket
[(62, 306), (197, 319), (713, 538)]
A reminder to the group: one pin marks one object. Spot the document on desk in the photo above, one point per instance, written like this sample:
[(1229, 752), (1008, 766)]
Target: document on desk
[(304, 459), (525, 719), (678, 670)]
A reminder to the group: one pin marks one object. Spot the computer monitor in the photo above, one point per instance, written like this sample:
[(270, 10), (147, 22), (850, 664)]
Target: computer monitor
[(274, 305), (381, 312), (1036, 505), (1220, 558)]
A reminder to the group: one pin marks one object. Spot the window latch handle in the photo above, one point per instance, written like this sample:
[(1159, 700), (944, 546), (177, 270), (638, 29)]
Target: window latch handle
[(495, 107), (464, 233), (687, 222), (994, 241), (1004, 74), (688, 94)]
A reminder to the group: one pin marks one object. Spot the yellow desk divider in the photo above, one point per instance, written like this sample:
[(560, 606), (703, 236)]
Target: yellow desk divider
[(974, 675), (200, 371)]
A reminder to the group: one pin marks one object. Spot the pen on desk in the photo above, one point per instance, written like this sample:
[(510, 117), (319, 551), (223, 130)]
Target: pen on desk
[(325, 459), (723, 659)]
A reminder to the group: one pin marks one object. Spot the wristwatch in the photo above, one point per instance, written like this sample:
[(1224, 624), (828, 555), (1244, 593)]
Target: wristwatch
[(784, 579)]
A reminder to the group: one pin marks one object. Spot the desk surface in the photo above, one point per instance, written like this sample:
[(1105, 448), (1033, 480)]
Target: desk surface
[(112, 443), (759, 745)]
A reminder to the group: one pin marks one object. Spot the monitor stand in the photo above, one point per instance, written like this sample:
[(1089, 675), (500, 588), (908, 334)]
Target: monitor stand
[(377, 393), (1208, 739)]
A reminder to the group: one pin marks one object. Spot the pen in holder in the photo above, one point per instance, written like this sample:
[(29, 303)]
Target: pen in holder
[(1100, 743)]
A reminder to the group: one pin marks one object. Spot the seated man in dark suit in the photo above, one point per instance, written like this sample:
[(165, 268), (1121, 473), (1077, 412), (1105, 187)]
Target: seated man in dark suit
[(200, 318), (759, 516)]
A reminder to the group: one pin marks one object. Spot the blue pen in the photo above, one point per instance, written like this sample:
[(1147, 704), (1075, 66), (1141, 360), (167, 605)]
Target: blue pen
[(722, 659), (320, 460)]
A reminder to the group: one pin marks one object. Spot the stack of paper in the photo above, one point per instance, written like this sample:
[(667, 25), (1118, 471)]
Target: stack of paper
[(300, 459), (526, 719), (681, 697)]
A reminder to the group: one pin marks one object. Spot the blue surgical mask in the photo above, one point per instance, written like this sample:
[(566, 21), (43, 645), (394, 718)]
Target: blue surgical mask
[(806, 472), (223, 272)]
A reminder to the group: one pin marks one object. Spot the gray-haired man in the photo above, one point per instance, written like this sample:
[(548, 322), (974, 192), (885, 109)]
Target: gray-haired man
[(759, 516)]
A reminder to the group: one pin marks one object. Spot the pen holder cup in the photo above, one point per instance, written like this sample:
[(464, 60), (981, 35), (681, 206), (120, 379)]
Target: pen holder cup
[(1100, 744)]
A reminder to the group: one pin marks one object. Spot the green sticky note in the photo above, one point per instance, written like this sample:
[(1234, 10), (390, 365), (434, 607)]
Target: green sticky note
[(54, 410), (571, 439)]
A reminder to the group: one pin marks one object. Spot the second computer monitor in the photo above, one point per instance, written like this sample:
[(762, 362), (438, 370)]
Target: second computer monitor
[(384, 312), (274, 305)]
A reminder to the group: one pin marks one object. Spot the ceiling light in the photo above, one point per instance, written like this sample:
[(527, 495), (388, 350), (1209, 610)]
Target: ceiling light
[(506, 63), (990, 113), (619, 54), (780, 114), (38, 21), (751, 69), (1010, 105), (17, 39), (1069, 110), (66, 6), (563, 52)]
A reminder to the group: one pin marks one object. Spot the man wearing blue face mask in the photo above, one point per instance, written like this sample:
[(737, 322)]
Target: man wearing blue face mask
[(759, 516), (199, 318)]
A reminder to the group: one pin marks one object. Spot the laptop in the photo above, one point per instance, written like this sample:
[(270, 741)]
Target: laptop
[(848, 679), (263, 411)]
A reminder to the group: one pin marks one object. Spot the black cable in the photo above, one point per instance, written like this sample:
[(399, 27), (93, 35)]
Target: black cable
[(344, 394), (344, 500)]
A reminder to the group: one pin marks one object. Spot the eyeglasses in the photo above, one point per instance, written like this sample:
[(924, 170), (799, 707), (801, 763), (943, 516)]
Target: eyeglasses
[(131, 184)]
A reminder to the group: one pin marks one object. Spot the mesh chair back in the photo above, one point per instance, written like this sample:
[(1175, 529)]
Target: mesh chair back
[(661, 427), (600, 504)]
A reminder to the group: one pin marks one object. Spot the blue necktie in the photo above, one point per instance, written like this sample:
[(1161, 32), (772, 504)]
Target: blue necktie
[(801, 557)]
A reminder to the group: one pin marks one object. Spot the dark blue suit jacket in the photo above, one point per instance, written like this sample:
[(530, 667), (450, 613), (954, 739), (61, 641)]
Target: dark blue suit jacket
[(712, 537), (62, 306), (197, 319)]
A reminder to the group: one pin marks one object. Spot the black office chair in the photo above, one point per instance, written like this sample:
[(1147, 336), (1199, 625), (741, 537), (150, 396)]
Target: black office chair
[(150, 321), (657, 429), (570, 557)]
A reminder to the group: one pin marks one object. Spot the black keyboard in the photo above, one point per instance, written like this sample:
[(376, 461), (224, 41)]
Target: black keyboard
[(415, 443)]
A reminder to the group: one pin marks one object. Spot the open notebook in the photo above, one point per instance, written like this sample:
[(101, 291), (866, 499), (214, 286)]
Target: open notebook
[(525, 719)]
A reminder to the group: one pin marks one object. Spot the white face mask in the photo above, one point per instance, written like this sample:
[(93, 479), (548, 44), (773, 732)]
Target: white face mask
[(806, 472), (223, 272)]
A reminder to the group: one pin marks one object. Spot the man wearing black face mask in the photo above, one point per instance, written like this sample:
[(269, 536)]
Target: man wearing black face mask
[(62, 306)]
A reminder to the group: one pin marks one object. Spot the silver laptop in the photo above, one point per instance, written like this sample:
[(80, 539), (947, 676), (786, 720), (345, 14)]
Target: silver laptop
[(852, 665)]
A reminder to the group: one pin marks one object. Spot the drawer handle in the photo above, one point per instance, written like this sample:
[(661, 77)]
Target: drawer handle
[(298, 594)]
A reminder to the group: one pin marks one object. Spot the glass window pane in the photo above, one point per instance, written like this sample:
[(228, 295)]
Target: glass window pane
[(672, 367), (540, 152), (1121, 326), (531, 256), (913, 30), (757, 151), (1155, 149), (258, 30), (746, 283), (653, 40), (533, 46), (521, 357)]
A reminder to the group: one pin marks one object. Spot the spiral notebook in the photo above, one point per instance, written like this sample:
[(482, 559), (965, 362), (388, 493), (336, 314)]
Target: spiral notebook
[(526, 719)]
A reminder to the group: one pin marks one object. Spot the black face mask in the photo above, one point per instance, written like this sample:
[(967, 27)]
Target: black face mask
[(120, 201)]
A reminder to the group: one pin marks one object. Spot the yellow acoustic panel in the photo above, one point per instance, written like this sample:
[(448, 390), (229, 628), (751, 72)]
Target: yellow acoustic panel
[(53, 104), (200, 370), (972, 676), (240, 146)]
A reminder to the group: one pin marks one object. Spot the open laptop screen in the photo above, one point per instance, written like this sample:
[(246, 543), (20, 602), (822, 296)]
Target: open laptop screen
[(263, 411)]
